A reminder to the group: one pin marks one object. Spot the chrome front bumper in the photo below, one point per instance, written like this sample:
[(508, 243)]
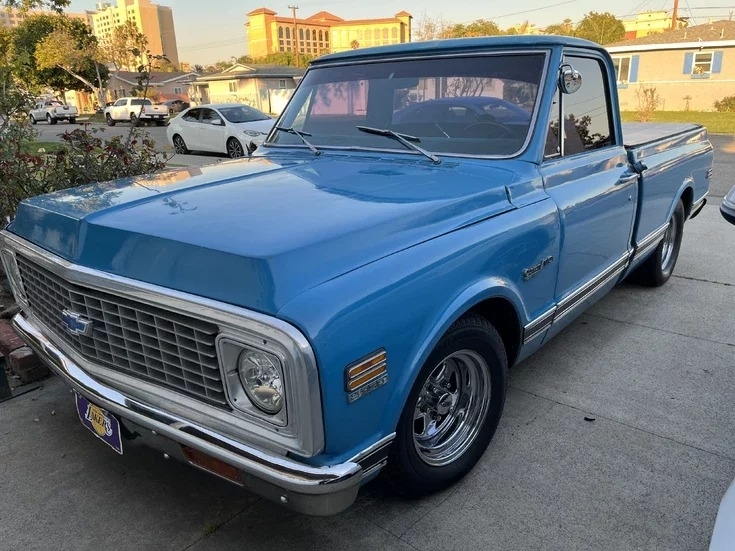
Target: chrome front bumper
[(303, 488)]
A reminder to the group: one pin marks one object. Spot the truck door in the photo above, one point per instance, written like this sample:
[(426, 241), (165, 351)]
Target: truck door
[(586, 173)]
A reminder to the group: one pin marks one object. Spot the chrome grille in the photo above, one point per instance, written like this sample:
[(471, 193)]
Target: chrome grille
[(144, 341)]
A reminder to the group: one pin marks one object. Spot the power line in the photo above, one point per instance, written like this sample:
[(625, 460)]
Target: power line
[(534, 9)]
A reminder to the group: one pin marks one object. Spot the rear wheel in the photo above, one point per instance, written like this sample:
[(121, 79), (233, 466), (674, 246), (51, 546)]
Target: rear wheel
[(234, 148), (657, 268), (453, 408), (179, 145), (72, 120), (110, 120)]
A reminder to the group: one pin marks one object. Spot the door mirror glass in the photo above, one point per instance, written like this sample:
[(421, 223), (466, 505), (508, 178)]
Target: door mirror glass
[(217, 122), (570, 80)]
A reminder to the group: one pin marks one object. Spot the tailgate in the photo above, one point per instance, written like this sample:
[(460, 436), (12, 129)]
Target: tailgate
[(673, 159)]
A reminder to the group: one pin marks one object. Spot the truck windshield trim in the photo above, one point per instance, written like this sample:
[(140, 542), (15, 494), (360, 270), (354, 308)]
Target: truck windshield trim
[(438, 99)]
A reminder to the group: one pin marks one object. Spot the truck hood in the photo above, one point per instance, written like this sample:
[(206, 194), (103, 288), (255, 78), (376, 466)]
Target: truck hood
[(257, 232)]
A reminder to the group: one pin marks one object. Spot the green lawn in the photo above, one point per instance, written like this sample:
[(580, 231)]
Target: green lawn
[(46, 147), (716, 123)]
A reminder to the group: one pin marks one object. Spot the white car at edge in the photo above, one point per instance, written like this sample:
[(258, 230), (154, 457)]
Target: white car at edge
[(230, 128)]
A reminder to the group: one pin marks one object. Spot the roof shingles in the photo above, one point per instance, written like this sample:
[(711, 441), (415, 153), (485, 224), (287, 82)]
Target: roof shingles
[(710, 32)]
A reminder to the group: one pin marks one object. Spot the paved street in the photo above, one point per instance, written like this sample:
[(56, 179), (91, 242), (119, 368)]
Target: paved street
[(654, 368)]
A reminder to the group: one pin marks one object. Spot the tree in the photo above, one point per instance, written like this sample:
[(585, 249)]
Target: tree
[(199, 69), (165, 66), (428, 28), (480, 27), (25, 5), (118, 49), (565, 28), (73, 48), (602, 28), (26, 39)]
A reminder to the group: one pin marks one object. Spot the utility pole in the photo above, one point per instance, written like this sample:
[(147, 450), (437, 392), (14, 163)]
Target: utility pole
[(293, 8), (675, 15)]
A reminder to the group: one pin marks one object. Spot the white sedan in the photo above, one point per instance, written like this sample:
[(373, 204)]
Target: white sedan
[(230, 128)]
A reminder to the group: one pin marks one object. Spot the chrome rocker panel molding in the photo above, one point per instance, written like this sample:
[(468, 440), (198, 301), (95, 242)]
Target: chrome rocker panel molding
[(304, 432), (306, 489), (541, 324), (698, 206), (649, 243)]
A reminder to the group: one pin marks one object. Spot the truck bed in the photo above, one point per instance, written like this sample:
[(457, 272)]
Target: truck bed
[(638, 134)]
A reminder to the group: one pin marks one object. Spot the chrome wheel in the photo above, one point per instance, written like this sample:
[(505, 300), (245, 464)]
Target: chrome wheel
[(451, 408), (669, 244), (234, 148)]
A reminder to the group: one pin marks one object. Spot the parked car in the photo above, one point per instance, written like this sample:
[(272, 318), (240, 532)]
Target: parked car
[(176, 105), (723, 535), (350, 298), (230, 128), (466, 110), (727, 208), (53, 111), (135, 111)]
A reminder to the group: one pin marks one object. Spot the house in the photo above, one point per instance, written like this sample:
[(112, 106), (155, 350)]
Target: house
[(163, 86), (690, 68), (266, 87)]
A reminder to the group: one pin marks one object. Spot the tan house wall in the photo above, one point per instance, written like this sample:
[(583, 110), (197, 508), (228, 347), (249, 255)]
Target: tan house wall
[(664, 70), (260, 93)]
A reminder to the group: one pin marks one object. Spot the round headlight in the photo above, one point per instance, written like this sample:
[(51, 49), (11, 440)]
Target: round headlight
[(261, 379)]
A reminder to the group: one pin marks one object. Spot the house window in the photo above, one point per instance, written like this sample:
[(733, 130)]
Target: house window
[(702, 63), (178, 90), (232, 86), (622, 69), (282, 83)]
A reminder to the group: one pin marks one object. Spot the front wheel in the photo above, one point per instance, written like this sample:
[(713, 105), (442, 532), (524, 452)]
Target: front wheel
[(110, 120), (33, 119), (657, 268), (453, 409), (50, 119), (180, 145), (234, 148)]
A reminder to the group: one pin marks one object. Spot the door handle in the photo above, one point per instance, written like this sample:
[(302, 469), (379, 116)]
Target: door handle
[(626, 180)]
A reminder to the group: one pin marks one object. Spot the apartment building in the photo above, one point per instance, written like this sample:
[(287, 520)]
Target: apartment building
[(322, 32), (154, 21), (12, 17)]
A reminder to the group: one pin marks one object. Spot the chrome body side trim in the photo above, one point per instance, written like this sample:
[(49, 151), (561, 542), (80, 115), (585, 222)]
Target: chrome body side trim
[(697, 207), (307, 489), (538, 326), (649, 242), (575, 299), (303, 433)]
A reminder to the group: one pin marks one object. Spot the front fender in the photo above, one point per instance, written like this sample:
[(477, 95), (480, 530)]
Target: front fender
[(405, 302)]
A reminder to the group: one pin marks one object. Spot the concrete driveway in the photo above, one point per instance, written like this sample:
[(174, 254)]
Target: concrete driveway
[(620, 434)]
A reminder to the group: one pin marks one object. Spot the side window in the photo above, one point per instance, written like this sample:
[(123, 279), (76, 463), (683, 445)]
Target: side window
[(587, 123), (209, 115), (120, 102), (192, 115)]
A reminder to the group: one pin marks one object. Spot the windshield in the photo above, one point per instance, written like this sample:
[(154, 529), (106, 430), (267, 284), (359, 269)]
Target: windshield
[(242, 113), (140, 102), (480, 105)]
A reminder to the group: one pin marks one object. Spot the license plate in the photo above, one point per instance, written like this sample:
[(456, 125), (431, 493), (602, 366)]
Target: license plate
[(100, 422)]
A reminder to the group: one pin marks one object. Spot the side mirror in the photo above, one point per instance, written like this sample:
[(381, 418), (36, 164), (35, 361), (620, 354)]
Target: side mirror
[(217, 122), (570, 80)]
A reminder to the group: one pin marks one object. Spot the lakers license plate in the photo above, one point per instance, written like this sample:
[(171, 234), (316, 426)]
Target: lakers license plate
[(100, 422)]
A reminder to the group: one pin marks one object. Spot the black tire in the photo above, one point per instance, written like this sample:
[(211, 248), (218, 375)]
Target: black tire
[(412, 467), (160, 123), (657, 268), (180, 145), (72, 120), (33, 119), (110, 120), (134, 120), (51, 120), (235, 150)]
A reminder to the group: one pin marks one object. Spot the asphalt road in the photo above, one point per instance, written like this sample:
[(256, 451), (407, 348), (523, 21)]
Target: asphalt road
[(652, 367)]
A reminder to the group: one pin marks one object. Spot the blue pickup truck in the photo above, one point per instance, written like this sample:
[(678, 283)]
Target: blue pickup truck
[(349, 299)]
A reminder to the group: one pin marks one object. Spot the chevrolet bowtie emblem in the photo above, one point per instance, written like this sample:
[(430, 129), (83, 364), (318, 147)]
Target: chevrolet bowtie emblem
[(76, 324)]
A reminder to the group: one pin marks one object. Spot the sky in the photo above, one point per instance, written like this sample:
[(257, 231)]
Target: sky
[(214, 30)]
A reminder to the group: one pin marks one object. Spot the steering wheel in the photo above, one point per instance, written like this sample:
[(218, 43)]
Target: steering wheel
[(504, 131)]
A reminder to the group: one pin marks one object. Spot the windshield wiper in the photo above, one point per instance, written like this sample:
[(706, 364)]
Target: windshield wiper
[(301, 135), (405, 139)]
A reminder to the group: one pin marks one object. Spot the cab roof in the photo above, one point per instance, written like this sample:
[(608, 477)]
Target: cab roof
[(457, 45)]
